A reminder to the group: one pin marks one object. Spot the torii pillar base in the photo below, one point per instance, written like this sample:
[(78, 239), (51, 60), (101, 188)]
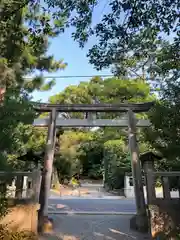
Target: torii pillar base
[(139, 223), (46, 225)]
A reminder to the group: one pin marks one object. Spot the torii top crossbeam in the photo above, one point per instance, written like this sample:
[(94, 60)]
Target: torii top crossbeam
[(122, 107)]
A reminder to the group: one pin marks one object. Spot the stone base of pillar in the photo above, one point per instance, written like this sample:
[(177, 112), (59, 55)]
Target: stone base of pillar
[(139, 223), (46, 225)]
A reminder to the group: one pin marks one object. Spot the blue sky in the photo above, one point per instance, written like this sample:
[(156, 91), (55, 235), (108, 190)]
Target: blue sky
[(65, 48)]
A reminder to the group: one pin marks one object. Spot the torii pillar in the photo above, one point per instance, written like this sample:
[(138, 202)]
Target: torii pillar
[(47, 172), (140, 220)]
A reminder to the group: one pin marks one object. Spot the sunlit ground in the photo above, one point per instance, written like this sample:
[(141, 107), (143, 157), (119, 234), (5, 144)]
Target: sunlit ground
[(88, 227)]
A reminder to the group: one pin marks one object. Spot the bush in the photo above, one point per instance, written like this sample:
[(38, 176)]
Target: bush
[(6, 234), (96, 172), (3, 203), (116, 163), (74, 182)]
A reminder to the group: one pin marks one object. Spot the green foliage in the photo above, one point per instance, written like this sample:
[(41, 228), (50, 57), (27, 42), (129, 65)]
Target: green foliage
[(107, 90), (26, 29), (116, 163), (24, 43), (96, 171), (74, 182), (17, 136), (3, 204), (16, 109), (67, 161), (91, 156), (132, 46), (164, 133), (82, 151), (128, 33), (5, 233)]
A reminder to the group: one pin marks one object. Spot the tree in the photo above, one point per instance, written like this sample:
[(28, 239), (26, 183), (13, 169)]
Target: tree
[(137, 44), (68, 161), (83, 150), (129, 31), (25, 32), (116, 163), (111, 90), (164, 134)]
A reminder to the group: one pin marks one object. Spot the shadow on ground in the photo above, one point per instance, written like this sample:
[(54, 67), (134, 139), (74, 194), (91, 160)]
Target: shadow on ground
[(92, 228)]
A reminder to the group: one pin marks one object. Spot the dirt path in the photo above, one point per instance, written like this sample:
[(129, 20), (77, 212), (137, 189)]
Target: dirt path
[(89, 189), (69, 191)]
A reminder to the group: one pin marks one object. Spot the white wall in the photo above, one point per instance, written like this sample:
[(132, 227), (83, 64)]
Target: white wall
[(129, 189)]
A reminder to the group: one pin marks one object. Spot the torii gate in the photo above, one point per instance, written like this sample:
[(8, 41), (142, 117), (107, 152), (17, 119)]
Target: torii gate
[(52, 122)]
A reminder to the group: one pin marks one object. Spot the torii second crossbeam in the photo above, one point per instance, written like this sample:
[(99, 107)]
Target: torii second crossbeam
[(44, 122)]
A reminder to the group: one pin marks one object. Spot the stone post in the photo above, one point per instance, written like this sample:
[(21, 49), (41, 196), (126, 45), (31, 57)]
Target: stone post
[(147, 162), (148, 167), (19, 186)]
